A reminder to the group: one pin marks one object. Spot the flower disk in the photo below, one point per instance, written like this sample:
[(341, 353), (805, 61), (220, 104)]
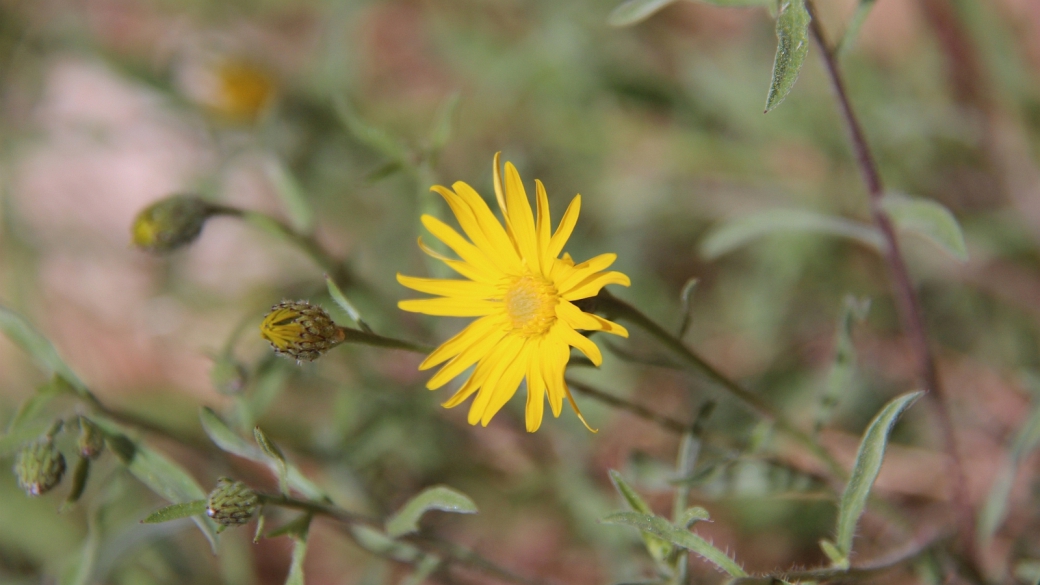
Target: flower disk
[(521, 289), (300, 330)]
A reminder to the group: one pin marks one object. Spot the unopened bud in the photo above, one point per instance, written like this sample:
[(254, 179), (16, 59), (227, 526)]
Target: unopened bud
[(39, 467), (300, 330), (171, 223), (232, 503), (91, 439)]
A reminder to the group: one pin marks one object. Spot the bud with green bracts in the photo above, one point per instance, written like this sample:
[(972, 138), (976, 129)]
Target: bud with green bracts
[(300, 330), (39, 467), (171, 223), (232, 503)]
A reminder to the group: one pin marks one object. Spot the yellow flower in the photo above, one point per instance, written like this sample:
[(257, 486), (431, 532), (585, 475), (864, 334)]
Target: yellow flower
[(521, 289)]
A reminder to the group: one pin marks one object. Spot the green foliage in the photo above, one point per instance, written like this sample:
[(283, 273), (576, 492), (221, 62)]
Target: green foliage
[(299, 553), (792, 34), (747, 228), (994, 510), (632, 12), (678, 537), (929, 219), (841, 377), (25, 336), (176, 512), (443, 498), (658, 548), (288, 188), (855, 23)]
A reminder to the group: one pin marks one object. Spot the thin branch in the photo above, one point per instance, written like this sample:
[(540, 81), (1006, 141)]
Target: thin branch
[(907, 301)]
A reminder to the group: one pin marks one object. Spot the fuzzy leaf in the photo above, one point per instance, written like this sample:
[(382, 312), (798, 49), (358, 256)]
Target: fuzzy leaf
[(423, 569), (632, 12), (176, 512), (275, 454), (841, 377), (442, 498), (995, 508), (865, 469), (742, 230), (658, 548), (792, 33), (855, 23), (79, 482), (838, 560), (341, 300), (25, 336), (679, 537), (929, 219), (375, 541), (301, 214), (692, 516), (299, 553)]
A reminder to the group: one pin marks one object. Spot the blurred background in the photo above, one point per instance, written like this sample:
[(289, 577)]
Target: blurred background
[(339, 115)]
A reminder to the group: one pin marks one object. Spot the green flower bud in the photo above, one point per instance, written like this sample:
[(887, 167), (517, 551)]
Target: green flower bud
[(300, 330), (39, 467), (171, 223), (233, 503), (91, 439)]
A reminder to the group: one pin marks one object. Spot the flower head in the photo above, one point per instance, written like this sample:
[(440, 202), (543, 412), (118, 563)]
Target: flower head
[(300, 330), (39, 467), (231, 503), (170, 223), (521, 289)]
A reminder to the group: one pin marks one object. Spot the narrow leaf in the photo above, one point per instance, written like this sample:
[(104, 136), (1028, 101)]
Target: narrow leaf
[(855, 23), (679, 537), (26, 432), (865, 469), (686, 299), (299, 553), (692, 516), (35, 404), (341, 300), (25, 336), (79, 482), (375, 138), (742, 230), (442, 498), (273, 452), (176, 512), (842, 374), (792, 33), (301, 215), (80, 570), (995, 508), (658, 548), (838, 560), (632, 12), (929, 219), (443, 122), (423, 569), (375, 541)]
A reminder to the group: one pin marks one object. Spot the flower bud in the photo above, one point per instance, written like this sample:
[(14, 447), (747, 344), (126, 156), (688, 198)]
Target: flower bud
[(300, 330), (232, 503), (91, 440), (39, 467), (171, 223)]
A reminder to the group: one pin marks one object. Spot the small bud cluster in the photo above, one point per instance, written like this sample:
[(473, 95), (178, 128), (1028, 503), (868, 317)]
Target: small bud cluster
[(171, 223), (39, 467), (232, 503), (300, 330)]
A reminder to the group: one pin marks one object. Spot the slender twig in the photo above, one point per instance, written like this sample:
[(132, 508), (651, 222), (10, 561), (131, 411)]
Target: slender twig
[(665, 422), (909, 305)]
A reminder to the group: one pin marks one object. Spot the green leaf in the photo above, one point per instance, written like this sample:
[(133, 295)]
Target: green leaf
[(229, 441), (443, 122), (1028, 571), (80, 570), (658, 548), (995, 508), (375, 541), (679, 537), (79, 482), (26, 432), (742, 230), (929, 219), (375, 138), (686, 299), (273, 452), (838, 560), (341, 300), (692, 516), (855, 23), (299, 553), (792, 33), (18, 330), (423, 569), (442, 498), (865, 470), (632, 12), (842, 375), (35, 404), (176, 512), (301, 214)]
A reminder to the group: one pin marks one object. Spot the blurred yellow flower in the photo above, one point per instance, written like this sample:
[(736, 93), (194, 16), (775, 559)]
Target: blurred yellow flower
[(521, 289), (245, 90)]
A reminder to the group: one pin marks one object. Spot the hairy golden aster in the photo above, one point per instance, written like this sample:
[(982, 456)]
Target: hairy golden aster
[(521, 289)]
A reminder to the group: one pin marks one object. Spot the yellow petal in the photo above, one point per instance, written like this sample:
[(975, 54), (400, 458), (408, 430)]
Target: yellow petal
[(568, 279), (610, 327), (521, 218), (480, 349), (543, 227), (472, 334), (468, 270), (505, 353), (448, 307), (467, 390), (566, 227), (554, 357), (574, 405), (590, 286), (535, 394), (564, 333), (575, 317), (500, 195), (507, 385), (465, 289), (494, 232), (457, 243)]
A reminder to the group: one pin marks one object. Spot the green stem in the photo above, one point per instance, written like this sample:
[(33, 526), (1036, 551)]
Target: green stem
[(373, 339), (616, 307)]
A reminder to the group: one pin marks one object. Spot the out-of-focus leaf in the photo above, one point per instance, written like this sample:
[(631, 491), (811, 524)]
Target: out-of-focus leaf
[(79, 482), (443, 123), (929, 219), (341, 300), (423, 569), (658, 548), (838, 559), (27, 432), (299, 553), (176, 512), (679, 537), (632, 12), (301, 214), (442, 498), (375, 138), (865, 470), (383, 171), (375, 541), (80, 570), (692, 516), (229, 441), (25, 336), (855, 23), (842, 374), (686, 299), (742, 230), (1028, 571), (274, 453), (35, 404), (792, 33), (995, 508)]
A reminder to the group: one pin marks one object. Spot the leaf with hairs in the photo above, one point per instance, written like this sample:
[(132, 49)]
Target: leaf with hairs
[(375, 541), (299, 553), (176, 512), (792, 33), (865, 470), (341, 300), (443, 498), (742, 230), (679, 537), (842, 374), (658, 548)]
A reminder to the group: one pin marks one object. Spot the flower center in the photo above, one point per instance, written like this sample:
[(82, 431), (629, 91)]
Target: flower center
[(531, 305)]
